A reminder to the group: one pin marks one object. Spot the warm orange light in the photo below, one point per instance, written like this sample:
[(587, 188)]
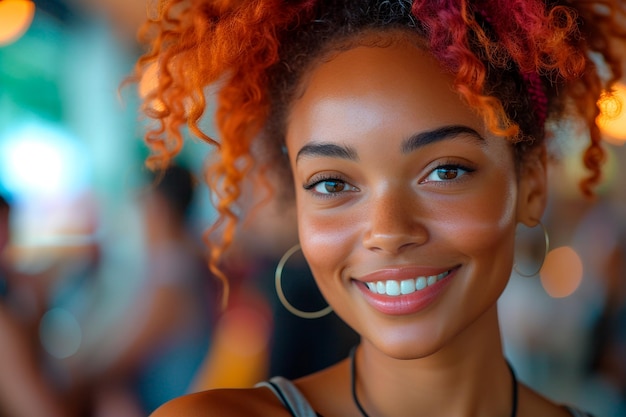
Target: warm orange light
[(562, 272), (612, 119), (15, 18)]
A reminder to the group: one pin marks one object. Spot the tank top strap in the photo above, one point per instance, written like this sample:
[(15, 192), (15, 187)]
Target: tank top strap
[(290, 396)]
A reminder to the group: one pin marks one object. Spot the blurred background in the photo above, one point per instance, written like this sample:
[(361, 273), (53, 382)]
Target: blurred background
[(107, 308)]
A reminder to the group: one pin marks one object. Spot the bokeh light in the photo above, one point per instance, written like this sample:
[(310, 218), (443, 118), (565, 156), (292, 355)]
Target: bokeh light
[(612, 119), (60, 333), (42, 159), (15, 19), (562, 272)]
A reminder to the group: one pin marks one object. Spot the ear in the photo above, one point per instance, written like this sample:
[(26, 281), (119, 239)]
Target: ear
[(532, 186)]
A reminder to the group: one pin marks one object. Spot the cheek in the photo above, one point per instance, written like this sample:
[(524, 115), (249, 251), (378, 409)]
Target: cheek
[(483, 228), (483, 223), (326, 240)]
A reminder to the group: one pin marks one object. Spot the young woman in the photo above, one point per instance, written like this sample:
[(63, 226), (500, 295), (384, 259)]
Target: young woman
[(414, 135)]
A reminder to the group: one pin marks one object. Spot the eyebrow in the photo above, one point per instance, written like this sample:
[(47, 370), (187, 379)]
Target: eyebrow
[(327, 149), (414, 142), (431, 136)]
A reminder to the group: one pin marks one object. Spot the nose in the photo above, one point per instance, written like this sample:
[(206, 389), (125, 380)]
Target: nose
[(393, 223)]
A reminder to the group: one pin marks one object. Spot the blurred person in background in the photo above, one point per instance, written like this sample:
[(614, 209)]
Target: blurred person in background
[(153, 353), (25, 391)]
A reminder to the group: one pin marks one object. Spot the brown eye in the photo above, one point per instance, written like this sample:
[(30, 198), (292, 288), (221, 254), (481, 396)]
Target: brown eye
[(334, 186), (329, 186), (447, 173)]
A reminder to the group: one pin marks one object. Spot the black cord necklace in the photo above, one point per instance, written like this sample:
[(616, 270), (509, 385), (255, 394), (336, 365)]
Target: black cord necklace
[(364, 414)]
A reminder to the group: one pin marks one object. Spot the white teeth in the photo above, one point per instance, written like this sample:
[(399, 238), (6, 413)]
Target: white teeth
[(392, 288), (407, 286), (420, 283)]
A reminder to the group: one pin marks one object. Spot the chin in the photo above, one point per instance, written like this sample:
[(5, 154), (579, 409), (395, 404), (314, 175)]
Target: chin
[(410, 344)]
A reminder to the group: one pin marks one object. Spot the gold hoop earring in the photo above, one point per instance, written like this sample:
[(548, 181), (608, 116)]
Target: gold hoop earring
[(545, 253), (281, 295)]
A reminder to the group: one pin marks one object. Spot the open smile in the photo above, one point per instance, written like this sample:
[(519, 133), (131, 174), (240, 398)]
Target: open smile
[(400, 292)]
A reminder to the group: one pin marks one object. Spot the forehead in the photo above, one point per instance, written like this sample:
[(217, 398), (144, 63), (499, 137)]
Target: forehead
[(392, 83)]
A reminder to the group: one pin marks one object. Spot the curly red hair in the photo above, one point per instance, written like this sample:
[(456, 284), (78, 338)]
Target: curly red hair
[(254, 51)]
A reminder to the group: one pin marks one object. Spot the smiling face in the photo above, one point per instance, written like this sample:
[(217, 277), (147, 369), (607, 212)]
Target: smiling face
[(407, 206)]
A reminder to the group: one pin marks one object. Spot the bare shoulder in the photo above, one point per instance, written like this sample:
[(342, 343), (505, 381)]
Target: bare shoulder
[(534, 404), (328, 391), (250, 402)]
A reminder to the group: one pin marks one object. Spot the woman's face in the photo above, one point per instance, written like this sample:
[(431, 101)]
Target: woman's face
[(407, 206)]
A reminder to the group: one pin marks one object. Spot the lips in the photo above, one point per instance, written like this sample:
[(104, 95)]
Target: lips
[(404, 291)]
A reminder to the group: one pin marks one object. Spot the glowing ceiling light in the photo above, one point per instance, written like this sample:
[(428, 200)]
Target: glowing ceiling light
[(15, 18), (612, 119)]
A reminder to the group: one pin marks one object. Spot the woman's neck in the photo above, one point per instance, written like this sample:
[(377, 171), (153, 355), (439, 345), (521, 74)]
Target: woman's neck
[(467, 377)]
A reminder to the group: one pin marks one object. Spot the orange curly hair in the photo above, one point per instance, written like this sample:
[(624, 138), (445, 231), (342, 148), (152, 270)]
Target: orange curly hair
[(254, 53)]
